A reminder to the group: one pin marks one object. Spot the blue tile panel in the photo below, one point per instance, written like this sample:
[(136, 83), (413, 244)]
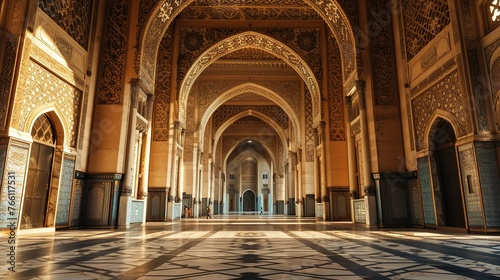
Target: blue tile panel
[(64, 201), (487, 163), (426, 189), (472, 194)]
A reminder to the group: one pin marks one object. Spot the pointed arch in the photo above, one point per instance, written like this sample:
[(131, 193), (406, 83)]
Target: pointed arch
[(265, 118), (56, 116), (250, 39), (256, 89), (165, 12), (439, 114)]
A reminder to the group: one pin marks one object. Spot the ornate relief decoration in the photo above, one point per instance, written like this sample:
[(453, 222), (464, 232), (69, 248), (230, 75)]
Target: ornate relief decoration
[(478, 91), (72, 16), (17, 157), (310, 145), (423, 20), (445, 95), (56, 67), (249, 55), (8, 64), (303, 41), (245, 40), (83, 120), (445, 68), (223, 113), (161, 107), (165, 11), (495, 79), (112, 70), (335, 95), (240, 12), (384, 66), (44, 88)]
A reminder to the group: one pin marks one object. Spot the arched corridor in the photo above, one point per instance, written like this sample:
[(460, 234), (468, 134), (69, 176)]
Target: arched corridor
[(127, 116)]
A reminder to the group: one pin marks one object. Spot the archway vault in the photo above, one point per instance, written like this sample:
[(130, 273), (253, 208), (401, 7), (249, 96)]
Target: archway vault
[(259, 90), (267, 119), (250, 39), (165, 12)]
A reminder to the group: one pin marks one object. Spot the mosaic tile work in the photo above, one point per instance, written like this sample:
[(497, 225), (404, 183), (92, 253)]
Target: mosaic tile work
[(426, 189), (490, 181), (254, 247)]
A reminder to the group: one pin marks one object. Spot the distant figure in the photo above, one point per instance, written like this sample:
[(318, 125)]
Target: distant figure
[(189, 211), (185, 211), (208, 213), (261, 211)]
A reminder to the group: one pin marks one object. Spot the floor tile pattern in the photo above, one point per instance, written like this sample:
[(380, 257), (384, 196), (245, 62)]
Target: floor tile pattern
[(252, 247)]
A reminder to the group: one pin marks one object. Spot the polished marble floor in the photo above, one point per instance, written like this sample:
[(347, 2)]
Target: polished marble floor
[(252, 247)]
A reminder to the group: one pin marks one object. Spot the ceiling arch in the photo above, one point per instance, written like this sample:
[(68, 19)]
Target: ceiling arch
[(265, 118), (243, 155), (250, 39), (259, 90), (165, 12)]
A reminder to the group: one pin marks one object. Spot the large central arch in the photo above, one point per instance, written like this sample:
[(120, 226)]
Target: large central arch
[(251, 39), (252, 88), (165, 12)]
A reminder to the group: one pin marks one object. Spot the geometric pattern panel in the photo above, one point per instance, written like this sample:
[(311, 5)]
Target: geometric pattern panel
[(112, 69), (310, 143), (72, 16), (487, 162), (43, 87), (304, 41), (445, 95), (470, 183), (335, 92), (423, 20), (223, 113), (161, 110), (64, 200), (384, 71), (232, 11), (426, 189)]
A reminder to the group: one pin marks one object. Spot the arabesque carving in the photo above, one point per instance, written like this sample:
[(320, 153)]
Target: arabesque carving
[(445, 95)]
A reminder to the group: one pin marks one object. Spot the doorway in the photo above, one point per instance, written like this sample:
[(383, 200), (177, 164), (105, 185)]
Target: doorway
[(447, 189), (36, 193), (249, 202)]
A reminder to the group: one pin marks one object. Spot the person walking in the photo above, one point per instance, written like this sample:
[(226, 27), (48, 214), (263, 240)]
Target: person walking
[(208, 212)]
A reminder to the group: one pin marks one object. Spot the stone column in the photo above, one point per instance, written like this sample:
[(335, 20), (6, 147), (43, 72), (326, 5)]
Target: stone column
[(368, 189)]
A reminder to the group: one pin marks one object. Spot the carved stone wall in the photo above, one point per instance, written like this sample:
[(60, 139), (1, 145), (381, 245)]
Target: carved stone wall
[(161, 107), (335, 93), (470, 183), (384, 65), (223, 113), (112, 69), (43, 87), (423, 20), (447, 96), (304, 41), (165, 11), (16, 161), (73, 16), (309, 133)]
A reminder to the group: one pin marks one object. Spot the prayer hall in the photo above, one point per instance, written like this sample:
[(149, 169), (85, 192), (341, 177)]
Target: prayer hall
[(250, 139)]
